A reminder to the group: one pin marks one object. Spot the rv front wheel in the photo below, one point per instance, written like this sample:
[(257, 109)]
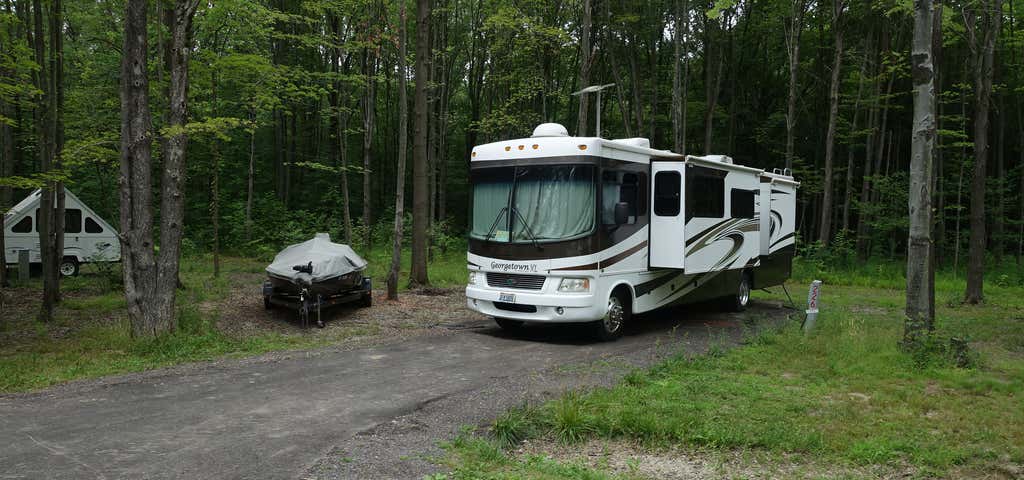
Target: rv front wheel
[(68, 267), (610, 327), (509, 324)]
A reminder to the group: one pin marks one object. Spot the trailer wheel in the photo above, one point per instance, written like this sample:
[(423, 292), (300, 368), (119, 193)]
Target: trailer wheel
[(738, 301), (366, 301), (266, 302), (69, 267), (610, 327), (509, 325)]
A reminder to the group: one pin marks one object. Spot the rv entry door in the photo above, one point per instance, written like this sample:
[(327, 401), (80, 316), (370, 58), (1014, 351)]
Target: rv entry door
[(668, 243)]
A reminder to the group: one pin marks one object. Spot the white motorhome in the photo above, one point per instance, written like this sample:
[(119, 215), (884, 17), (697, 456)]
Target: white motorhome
[(584, 229), (87, 238)]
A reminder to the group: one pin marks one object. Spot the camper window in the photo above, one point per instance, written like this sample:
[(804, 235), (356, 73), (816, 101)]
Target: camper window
[(666, 193), (619, 187), (91, 226), (741, 203), (23, 226), (705, 193), (72, 220)]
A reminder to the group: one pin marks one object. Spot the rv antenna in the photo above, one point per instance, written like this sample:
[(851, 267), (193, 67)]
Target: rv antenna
[(592, 89)]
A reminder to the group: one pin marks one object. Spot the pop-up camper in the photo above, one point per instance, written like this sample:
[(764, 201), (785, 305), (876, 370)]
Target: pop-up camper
[(584, 229), (87, 238)]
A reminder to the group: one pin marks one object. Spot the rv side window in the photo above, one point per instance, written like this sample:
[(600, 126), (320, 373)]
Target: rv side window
[(23, 226), (72, 220), (619, 187), (705, 193), (742, 203), (91, 226), (666, 193)]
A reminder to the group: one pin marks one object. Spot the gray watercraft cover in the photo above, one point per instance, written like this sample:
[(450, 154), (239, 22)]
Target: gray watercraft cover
[(330, 260)]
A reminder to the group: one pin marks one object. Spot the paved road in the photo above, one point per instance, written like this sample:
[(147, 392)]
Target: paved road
[(292, 417)]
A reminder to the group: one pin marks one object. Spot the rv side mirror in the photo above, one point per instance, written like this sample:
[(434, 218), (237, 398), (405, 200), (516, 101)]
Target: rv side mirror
[(621, 213)]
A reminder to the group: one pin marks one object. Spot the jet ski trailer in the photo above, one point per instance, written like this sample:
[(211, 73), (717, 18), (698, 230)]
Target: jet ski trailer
[(316, 274)]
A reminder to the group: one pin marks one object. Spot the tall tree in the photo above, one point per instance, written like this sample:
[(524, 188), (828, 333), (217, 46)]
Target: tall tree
[(825, 231), (369, 121), (420, 180), (794, 31), (982, 19), (151, 279), (680, 74), (585, 64), (403, 139), (920, 310)]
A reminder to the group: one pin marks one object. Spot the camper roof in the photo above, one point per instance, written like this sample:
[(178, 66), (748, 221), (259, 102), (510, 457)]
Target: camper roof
[(552, 140)]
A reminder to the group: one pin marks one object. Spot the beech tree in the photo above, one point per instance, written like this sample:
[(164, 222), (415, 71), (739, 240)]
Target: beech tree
[(920, 310)]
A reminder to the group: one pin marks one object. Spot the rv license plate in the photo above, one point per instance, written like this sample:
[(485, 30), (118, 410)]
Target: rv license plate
[(507, 297)]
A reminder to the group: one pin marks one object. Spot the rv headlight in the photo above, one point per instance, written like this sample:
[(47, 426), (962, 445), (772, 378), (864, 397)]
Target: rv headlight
[(574, 285), (475, 278)]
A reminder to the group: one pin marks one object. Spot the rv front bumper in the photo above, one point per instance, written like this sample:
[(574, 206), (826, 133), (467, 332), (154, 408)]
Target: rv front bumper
[(535, 307)]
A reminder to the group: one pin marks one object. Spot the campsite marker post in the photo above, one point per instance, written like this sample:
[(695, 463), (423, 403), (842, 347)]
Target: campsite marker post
[(812, 305), (23, 266)]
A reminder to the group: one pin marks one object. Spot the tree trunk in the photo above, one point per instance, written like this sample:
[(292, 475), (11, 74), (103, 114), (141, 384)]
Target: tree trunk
[(421, 188), (150, 281), (793, 33), (137, 257), (403, 139), (825, 233), (250, 177), (369, 110), (713, 81), (680, 69), (215, 179), (848, 188), (984, 23), (586, 58), (920, 310)]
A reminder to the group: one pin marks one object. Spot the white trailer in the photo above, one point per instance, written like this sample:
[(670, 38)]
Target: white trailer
[(87, 237), (584, 229)]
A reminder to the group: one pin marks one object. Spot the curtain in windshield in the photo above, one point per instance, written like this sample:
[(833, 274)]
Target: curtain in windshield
[(490, 196), (556, 202)]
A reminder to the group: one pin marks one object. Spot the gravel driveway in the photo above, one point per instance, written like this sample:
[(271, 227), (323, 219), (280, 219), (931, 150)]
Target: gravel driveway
[(373, 412)]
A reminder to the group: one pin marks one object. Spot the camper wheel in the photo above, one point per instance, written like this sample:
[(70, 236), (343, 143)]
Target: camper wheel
[(508, 324), (738, 301), (610, 327), (69, 267)]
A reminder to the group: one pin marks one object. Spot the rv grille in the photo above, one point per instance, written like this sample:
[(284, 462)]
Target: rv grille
[(515, 307), (513, 280)]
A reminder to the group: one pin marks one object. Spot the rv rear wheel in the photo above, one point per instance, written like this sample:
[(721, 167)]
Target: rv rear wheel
[(738, 302), (509, 324), (69, 267), (610, 327)]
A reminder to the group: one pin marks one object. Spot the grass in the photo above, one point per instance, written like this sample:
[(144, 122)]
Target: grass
[(90, 337), (844, 395)]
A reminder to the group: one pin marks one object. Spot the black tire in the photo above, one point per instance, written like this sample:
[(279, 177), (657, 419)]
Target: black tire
[(366, 301), (738, 301), (509, 325), (610, 327), (266, 302), (69, 267)]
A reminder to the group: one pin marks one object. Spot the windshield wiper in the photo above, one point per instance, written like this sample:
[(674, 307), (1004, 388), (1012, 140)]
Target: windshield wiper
[(494, 225), (533, 238)]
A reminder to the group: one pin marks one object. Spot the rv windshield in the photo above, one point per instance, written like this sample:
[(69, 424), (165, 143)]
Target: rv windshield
[(537, 203)]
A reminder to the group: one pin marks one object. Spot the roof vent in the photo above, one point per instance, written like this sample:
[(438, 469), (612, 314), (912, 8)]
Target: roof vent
[(550, 130), (634, 142)]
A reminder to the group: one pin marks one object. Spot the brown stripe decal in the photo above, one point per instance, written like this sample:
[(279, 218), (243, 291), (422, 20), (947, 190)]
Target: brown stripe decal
[(606, 263), (622, 256)]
